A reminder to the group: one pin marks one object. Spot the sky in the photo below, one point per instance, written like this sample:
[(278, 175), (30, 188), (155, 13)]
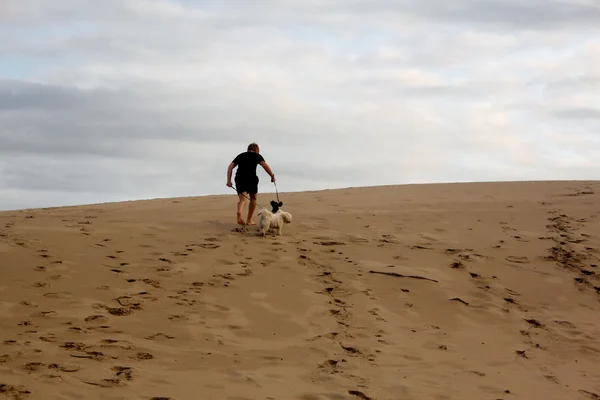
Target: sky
[(119, 100)]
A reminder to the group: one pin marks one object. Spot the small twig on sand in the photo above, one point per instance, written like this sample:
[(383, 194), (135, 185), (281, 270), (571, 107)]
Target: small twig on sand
[(397, 275), (459, 299), (359, 394)]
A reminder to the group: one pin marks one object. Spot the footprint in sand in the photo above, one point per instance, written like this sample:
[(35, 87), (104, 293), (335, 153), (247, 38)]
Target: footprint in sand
[(144, 356), (152, 282), (119, 311), (591, 395), (14, 392), (74, 346), (512, 292), (222, 279), (178, 317), (330, 243), (93, 355), (566, 324), (123, 372), (96, 319), (477, 373), (120, 374), (455, 251), (159, 336), (49, 339), (44, 253), (58, 295), (331, 366), (518, 259), (534, 322), (210, 246), (38, 366), (211, 243), (46, 314), (419, 247), (186, 302), (108, 342), (389, 239)]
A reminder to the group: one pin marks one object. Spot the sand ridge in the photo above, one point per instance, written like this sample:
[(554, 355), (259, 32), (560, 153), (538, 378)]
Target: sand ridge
[(446, 291)]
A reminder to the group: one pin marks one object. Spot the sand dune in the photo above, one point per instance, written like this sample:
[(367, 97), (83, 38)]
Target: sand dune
[(449, 291)]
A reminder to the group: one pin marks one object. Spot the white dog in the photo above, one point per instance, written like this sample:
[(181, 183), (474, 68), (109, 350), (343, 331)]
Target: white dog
[(268, 220)]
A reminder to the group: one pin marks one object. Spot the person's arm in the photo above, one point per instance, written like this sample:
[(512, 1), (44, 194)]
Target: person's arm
[(268, 170), (229, 173)]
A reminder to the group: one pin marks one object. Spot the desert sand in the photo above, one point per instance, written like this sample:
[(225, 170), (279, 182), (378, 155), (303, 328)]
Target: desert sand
[(439, 291)]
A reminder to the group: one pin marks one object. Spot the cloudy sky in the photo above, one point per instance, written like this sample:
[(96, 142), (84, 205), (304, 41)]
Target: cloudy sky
[(127, 99)]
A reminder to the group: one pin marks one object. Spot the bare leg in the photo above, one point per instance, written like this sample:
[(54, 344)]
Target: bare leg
[(240, 208), (251, 208)]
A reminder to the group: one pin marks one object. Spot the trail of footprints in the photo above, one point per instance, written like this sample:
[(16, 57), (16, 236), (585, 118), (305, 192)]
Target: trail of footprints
[(339, 298), (99, 319), (569, 251)]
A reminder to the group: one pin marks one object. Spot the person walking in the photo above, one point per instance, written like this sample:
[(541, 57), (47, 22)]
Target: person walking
[(246, 180)]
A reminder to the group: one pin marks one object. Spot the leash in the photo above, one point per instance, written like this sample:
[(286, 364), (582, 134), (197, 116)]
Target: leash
[(276, 191), (255, 203)]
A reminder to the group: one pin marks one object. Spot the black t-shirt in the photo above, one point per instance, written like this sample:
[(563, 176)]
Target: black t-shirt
[(246, 163)]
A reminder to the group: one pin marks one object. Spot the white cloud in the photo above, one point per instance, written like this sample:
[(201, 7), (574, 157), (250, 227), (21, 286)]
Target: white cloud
[(126, 98)]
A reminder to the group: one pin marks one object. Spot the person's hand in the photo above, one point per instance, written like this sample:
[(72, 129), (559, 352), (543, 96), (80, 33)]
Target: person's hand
[(273, 178), (229, 184)]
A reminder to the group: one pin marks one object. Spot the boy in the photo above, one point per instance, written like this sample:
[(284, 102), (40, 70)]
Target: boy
[(246, 180)]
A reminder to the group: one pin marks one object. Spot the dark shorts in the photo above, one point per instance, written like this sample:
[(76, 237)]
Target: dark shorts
[(246, 184)]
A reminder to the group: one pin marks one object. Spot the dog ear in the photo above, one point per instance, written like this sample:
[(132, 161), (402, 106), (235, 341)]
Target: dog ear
[(281, 204)]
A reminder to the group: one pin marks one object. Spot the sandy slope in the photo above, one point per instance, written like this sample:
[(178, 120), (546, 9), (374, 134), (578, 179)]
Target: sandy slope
[(164, 299)]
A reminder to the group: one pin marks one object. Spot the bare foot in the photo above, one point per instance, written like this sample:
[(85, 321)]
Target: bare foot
[(251, 222), (240, 220)]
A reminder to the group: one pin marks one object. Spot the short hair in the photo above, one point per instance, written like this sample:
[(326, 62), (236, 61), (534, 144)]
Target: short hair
[(253, 147)]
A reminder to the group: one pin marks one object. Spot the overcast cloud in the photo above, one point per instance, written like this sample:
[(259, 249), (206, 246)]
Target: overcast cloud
[(125, 99)]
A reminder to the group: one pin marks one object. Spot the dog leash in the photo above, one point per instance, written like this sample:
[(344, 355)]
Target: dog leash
[(276, 191), (234, 188)]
